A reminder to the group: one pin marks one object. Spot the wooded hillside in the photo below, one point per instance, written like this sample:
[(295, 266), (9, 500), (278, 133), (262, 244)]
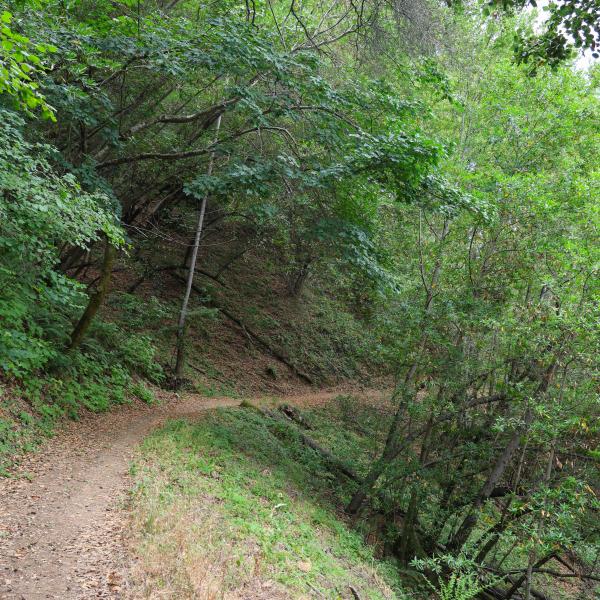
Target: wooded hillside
[(237, 196)]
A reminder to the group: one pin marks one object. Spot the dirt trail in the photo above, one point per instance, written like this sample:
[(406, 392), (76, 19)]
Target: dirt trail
[(61, 527)]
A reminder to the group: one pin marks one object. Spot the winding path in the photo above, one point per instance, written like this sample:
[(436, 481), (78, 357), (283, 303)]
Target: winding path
[(61, 524)]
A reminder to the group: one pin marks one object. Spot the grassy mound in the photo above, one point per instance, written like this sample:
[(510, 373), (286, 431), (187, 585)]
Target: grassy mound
[(235, 506)]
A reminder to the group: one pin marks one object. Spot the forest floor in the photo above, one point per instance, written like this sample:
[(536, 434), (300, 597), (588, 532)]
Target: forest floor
[(61, 516)]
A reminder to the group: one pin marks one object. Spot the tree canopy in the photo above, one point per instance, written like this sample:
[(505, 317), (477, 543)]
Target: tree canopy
[(398, 155)]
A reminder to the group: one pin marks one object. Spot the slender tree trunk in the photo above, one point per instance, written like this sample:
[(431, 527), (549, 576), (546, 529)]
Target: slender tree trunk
[(521, 579), (540, 524), (502, 462), (494, 535), (392, 448), (469, 522), (409, 544), (181, 325), (96, 298), (390, 451)]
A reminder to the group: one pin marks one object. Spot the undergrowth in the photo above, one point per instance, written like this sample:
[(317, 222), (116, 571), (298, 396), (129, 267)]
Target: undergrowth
[(318, 333), (109, 369)]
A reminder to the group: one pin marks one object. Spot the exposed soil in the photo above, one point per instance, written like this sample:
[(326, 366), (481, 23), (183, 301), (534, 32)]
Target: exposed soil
[(61, 523)]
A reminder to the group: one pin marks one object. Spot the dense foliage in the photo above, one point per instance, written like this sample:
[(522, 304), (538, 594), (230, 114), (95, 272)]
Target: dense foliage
[(395, 155)]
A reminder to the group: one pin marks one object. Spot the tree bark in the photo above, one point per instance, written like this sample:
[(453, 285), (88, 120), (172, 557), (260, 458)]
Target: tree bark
[(180, 361), (502, 462), (96, 298), (521, 579), (464, 531)]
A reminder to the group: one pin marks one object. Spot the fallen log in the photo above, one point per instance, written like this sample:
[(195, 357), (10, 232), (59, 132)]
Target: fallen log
[(251, 334), (293, 414), (276, 353), (323, 452), (500, 594)]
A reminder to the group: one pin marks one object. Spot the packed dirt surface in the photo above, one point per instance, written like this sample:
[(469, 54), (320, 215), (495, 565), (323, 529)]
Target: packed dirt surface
[(61, 520)]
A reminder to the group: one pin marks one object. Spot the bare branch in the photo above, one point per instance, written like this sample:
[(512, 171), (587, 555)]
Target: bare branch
[(190, 153)]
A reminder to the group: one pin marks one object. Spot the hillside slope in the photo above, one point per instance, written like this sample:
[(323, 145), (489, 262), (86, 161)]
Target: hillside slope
[(197, 511)]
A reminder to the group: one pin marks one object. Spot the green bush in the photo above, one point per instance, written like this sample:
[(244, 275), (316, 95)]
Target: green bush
[(115, 345), (140, 391), (40, 212), (94, 378)]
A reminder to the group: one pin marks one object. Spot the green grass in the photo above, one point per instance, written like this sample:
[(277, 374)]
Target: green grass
[(216, 390), (235, 502)]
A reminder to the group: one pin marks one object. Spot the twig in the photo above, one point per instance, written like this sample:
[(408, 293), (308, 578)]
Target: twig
[(354, 592)]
